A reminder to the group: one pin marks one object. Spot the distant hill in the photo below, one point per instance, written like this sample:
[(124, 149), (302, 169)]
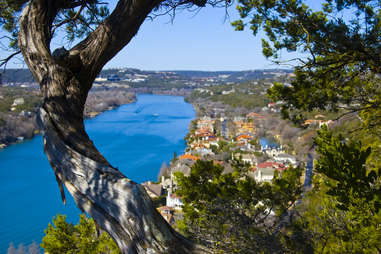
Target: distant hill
[(17, 76), (148, 77)]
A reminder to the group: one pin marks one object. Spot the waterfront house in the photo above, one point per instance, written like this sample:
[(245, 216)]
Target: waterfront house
[(188, 157)]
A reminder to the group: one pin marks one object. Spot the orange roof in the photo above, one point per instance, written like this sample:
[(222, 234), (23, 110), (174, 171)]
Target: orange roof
[(243, 136), (188, 156), (204, 134), (253, 114)]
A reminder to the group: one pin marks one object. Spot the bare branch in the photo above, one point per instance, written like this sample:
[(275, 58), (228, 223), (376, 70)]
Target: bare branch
[(4, 62)]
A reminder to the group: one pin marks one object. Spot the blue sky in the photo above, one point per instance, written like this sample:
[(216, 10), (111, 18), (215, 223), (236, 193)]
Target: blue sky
[(202, 41)]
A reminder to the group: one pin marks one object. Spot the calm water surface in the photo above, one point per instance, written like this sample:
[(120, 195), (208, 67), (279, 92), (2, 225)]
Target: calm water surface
[(136, 138)]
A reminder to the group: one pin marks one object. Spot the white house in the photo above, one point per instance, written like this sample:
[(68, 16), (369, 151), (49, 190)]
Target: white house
[(174, 200), (264, 172), (286, 159), (18, 101), (249, 158)]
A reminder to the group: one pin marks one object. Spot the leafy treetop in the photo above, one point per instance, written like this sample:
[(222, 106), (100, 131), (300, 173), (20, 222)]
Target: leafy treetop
[(342, 45)]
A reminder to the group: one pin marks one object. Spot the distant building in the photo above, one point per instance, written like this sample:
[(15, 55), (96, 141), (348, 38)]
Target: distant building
[(254, 115), (317, 123), (286, 159), (188, 157), (228, 92), (174, 200), (113, 77), (247, 158), (203, 151), (18, 101), (270, 148), (264, 172), (243, 137), (167, 213)]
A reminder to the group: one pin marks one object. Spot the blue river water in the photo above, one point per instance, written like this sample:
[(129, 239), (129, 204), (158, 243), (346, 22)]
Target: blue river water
[(136, 138)]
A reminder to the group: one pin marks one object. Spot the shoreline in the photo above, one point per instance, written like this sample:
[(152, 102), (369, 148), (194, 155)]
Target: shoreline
[(90, 111), (93, 109)]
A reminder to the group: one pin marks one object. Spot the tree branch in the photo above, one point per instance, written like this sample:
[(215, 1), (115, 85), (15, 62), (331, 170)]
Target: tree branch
[(4, 62), (74, 18)]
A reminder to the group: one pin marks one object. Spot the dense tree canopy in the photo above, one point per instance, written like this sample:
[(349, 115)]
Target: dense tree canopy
[(342, 212), (63, 237), (232, 213), (339, 71), (341, 43)]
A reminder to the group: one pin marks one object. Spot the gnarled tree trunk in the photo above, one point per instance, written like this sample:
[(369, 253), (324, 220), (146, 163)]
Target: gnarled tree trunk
[(120, 206)]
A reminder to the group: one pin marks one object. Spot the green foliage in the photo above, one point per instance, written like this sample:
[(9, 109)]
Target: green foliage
[(5, 104), (63, 237), (333, 230), (342, 212), (79, 20), (159, 201), (341, 71), (229, 212), (31, 99), (248, 94), (342, 63), (344, 163), (9, 11), (2, 122)]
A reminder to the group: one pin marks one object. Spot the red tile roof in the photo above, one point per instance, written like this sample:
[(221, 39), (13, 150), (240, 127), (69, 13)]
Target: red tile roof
[(270, 164)]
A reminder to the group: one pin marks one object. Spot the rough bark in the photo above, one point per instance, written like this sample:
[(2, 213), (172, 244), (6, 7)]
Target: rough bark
[(120, 206)]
